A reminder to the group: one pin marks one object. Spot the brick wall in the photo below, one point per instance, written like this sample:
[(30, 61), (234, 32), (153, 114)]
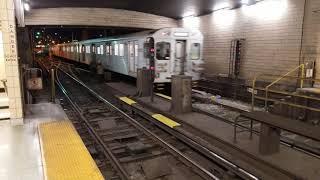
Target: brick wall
[(272, 29), (97, 17)]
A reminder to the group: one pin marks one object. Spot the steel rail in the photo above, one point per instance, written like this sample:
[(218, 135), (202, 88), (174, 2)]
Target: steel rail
[(106, 151), (200, 170)]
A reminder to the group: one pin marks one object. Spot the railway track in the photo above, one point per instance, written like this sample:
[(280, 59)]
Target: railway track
[(220, 170), (131, 145)]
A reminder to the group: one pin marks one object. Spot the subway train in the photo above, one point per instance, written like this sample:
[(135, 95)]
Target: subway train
[(167, 51)]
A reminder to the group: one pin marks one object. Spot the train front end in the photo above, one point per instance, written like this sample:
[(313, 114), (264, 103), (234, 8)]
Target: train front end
[(178, 51)]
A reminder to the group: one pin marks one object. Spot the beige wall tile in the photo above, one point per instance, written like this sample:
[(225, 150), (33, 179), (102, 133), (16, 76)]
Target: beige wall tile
[(272, 29)]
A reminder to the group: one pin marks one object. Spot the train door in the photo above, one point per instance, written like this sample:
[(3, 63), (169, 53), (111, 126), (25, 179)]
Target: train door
[(180, 57), (131, 57)]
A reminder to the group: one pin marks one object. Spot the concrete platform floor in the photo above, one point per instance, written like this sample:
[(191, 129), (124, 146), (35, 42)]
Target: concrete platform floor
[(20, 155)]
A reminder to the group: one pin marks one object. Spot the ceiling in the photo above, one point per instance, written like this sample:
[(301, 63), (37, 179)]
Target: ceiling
[(169, 8)]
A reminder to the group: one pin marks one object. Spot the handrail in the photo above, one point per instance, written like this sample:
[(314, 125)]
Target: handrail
[(266, 99), (283, 76)]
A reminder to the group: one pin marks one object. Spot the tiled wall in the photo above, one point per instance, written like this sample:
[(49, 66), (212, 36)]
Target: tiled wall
[(97, 17), (311, 35), (272, 29), (9, 61)]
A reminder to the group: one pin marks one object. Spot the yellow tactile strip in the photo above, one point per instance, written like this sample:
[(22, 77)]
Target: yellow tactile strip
[(164, 96), (165, 120), (127, 100), (64, 154)]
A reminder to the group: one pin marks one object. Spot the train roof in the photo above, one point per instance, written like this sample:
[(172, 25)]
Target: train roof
[(148, 33)]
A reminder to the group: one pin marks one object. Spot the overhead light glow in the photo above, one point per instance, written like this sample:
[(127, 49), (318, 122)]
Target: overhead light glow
[(224, 18), (222, 5), (191, 22), (248, 2), (188, 14), (26, 6), (267, 10), (245, 1)]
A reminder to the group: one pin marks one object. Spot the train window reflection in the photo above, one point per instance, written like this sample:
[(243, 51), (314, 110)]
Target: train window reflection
[(87, 49), (195, 51), (101, 49), (163, 51), (116, 49), (121, 50)]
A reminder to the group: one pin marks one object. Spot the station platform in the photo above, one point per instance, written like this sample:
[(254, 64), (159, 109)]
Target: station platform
[(291, 160), (46, 147)]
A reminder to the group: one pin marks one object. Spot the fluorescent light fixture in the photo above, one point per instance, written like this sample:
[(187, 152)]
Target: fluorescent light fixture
[(221, 5), (26, 6), (181, 34)]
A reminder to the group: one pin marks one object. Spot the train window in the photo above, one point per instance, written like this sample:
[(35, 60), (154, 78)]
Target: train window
[(87, 49), (93, 48), (163, 51), (195, 51), (121, 49), (111, 49), (98, 50), (71, 48), (101, 49), (116, 49)]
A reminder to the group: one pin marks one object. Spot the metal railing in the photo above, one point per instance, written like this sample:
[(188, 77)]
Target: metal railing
[(288, 76)]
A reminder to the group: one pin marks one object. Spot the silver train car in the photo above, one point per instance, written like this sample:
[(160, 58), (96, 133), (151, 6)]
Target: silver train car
[(168, 51)]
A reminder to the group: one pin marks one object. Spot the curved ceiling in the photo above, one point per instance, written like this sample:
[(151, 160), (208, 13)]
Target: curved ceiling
[(169, 8)]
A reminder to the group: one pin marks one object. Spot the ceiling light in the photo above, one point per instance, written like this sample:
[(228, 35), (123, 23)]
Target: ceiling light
[(26, 6)]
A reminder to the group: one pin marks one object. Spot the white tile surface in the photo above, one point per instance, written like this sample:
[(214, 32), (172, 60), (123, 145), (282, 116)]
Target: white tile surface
[(20, 154)]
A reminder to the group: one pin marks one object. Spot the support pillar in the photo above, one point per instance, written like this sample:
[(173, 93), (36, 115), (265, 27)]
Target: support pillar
[(9, 66), (269, 142), (144, 83), (181, 89)]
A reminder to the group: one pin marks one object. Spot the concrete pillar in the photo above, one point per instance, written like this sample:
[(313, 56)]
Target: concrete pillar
[(181, 89), (9, 66), (24, 46), (144, 84), (269, 140)]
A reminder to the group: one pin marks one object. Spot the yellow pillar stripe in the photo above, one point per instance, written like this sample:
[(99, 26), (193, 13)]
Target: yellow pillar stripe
[(64, 154), (127, 100), (165, 120), (164, 96)]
